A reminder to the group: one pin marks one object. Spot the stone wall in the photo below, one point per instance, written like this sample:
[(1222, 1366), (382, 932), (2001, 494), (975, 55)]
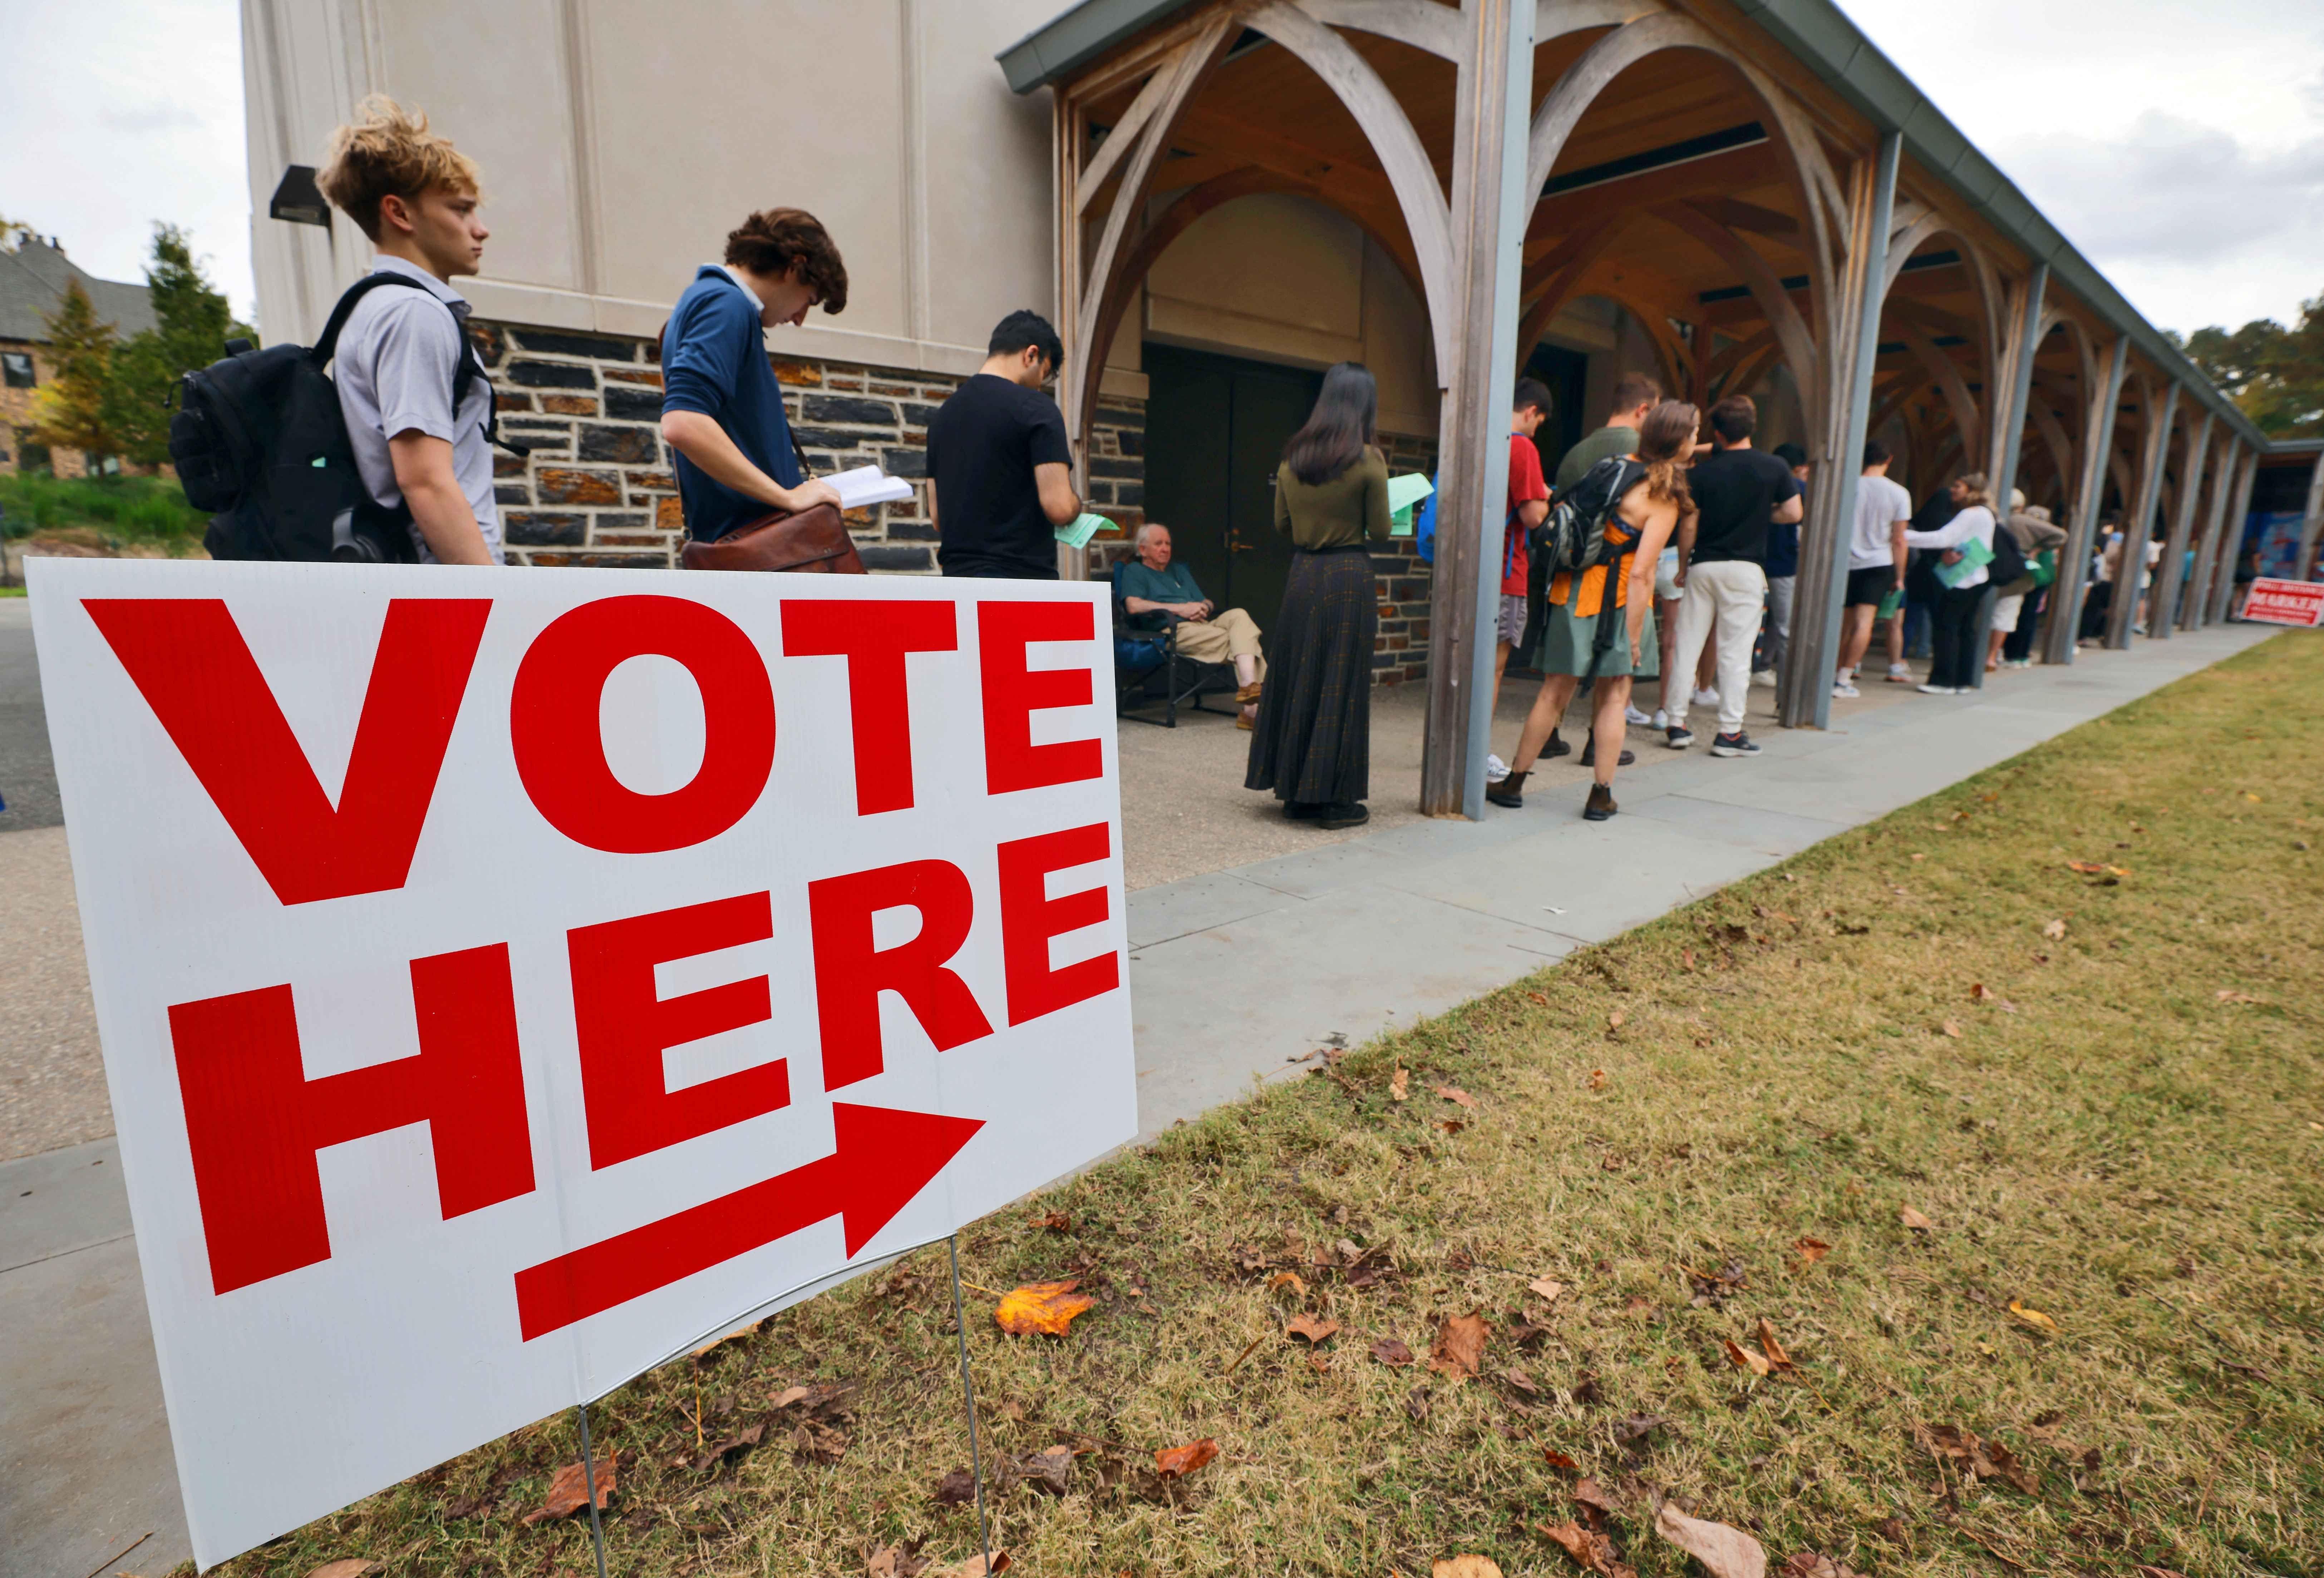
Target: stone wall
[(597, 490)]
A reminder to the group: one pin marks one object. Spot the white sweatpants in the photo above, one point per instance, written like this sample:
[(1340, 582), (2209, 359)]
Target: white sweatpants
[(1734, 591)]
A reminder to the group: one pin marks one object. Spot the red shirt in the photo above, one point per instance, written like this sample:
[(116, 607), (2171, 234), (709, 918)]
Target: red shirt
[(1525, 487)]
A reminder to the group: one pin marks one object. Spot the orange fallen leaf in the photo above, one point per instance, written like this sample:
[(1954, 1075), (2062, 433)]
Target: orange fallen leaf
[(1742, 1358), (1287, 1282), (1175, 1462), (1399, 1085), (1311, 1328), (568, 1491), (1057, 1221), (2055, 930), (975, 1567), (2227, 996), (1915, 1220), (1460, 1348), (2033, 1317), (1046, 1308), (1538, 998), (1456, 1096), (1452, 1125), (1545, 1287), (1614, 1020), (1559, 1461), (1464, 1567), (1597, 1079), (1591, 1552), (1950, 1027), (1724, 1552), (1773, 1348), (1811, 1250)]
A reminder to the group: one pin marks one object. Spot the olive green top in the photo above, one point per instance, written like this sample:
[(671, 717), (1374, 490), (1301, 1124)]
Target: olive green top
[(1339, 514)]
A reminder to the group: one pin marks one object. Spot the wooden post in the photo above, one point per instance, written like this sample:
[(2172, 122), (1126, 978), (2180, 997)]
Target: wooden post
[(2138, 521), (2074, 563), (1493, 97), (2223, 586), (2008, 434), (2313, 524), (1814, 651), (2163, 602), (2207, 552)]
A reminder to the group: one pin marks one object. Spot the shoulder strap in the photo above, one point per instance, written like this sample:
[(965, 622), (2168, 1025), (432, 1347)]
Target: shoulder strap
[(327, 344), (464, 374)]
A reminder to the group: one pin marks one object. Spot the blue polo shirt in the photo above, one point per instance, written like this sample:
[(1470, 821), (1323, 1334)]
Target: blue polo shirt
[(714, 360)]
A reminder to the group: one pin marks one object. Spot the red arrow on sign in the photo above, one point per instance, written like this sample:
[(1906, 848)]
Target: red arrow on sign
[(884, 1157)]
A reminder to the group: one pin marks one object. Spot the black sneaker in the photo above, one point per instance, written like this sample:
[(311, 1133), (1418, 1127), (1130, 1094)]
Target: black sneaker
[(1601, 807), (1557, 746), (1589, 754), (1738, 743), (1678, 739), (1347, 813)]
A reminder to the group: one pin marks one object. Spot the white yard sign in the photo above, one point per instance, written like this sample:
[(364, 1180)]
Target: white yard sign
[(508, 978)]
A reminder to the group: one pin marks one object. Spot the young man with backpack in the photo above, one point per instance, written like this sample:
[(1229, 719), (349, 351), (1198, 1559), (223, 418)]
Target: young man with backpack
[(401, 352)]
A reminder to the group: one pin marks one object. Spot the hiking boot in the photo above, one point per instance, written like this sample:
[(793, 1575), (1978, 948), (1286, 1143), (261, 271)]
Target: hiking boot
[(1345, 813), (1509, 793), (1600, 806), (1590, 756), (1678, 738), (1738, 743)]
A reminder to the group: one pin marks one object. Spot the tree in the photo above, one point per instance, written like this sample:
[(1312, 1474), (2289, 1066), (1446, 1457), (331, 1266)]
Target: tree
[(2276, 374), (193, 323), (73, 409)]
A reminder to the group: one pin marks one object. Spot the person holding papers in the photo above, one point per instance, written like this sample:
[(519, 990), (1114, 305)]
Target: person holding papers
[(1967, 540), (722, 409), (999, 472), (1311, 742)]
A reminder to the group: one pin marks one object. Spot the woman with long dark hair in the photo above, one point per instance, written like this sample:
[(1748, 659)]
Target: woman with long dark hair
[(1604, 626), (1312, 742)]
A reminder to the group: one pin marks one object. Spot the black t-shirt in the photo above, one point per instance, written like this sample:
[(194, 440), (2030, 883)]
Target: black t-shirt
[(982, 447), (1920, 582), (1736, 491)]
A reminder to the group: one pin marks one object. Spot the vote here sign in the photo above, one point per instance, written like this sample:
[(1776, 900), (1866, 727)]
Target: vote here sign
[(510, 978)]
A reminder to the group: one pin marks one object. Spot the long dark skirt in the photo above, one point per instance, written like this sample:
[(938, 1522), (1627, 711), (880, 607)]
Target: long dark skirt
[(1311, 742)]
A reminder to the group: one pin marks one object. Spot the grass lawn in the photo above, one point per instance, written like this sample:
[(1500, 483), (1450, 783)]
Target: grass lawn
[(2102, 1092), (106, 514)]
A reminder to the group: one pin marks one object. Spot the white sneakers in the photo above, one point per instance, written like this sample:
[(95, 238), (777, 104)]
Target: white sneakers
[(1706, 698), (1495, 769), (1763, 677), (1661, 718), (1844, 687), (1939, 691), (1636, 716)]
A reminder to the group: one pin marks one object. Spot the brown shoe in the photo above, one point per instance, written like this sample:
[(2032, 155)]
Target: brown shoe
[(1249, 694), (1600, 806)]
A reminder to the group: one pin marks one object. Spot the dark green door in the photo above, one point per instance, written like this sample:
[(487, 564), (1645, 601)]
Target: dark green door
[(1215, 426)]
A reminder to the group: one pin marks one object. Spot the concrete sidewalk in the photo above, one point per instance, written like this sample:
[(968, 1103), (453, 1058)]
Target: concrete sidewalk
[(1234, 973)]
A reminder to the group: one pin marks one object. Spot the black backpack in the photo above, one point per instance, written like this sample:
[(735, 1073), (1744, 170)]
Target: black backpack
[(1585, 528), (258, 441), (2008, 566)]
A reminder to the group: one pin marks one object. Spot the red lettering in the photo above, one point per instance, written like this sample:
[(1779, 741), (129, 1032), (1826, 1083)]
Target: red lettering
[(1014, 693), (851, 971), (561, 756), (187, 657), (1029, 918), (254, 1121), (872, 634), (623, 1028)]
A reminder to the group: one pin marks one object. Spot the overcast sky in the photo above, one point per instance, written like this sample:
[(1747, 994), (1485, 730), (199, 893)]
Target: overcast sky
[(2180, 145)]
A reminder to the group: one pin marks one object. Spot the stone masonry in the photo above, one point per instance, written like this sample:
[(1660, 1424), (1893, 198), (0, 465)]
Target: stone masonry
[(597, 489)]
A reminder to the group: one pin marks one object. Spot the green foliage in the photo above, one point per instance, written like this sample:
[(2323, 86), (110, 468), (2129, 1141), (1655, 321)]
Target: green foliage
[(194, 323), (75, 405), (141, 509), (2276, 374)]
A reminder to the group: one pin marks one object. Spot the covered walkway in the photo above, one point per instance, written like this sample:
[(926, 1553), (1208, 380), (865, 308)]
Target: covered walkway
[(1764, 196)]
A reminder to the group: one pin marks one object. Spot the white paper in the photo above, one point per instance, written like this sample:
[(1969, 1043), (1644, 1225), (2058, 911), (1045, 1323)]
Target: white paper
[(297, 1391), (867, 485)]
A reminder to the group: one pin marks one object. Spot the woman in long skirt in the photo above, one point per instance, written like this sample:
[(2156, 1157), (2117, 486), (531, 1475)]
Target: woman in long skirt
[(1312, 742)]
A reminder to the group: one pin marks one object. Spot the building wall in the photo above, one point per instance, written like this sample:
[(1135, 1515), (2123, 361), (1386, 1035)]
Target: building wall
[(20, 410)]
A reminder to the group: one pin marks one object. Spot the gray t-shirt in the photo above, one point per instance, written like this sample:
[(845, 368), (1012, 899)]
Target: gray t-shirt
[(395, 364), (1880, 503)]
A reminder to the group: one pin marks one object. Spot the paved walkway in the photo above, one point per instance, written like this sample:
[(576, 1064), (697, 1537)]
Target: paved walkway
[(1236, 969)]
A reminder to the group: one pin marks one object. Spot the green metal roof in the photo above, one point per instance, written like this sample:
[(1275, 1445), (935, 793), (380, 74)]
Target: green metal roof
[(1821, 38)]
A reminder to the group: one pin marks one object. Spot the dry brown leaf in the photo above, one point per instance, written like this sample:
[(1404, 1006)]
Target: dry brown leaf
[(1742, 1358), (1597, 1079), (1392, 1353), (1545, 1287), (2225, 995), (1464, 1567), (1538, 998), (568, 1493), (790, 1395), (1773, 1347), (1915, 1220), (1591, 1552), (1313, 1330), (1057, 1221), (975, 1567), (1614, 1020), (1589, 1493), (1046, 1308), (1559, 1461), (1724, 1552), (1452, 1125), (1459, 1350), (1175, 1462), (1809, 1564), (1522, 1381), (2033, 1317), (1455, 1094), (1287, 1282), (346, 1567), (1050, 1471), (1811, 1249), (2055, 930), (956, 1488), (1399, 1085), (1950, 1027)]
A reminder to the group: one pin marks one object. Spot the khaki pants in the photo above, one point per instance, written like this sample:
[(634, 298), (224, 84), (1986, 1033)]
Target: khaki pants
[(1224, 636)]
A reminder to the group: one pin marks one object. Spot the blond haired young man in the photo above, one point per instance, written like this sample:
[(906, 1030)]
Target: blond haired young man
[(400, 351)]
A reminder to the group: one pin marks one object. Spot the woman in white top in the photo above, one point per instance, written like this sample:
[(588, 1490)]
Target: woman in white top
[(1953, 624)]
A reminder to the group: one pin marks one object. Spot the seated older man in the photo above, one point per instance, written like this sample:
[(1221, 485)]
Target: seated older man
[(1157, 591)]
